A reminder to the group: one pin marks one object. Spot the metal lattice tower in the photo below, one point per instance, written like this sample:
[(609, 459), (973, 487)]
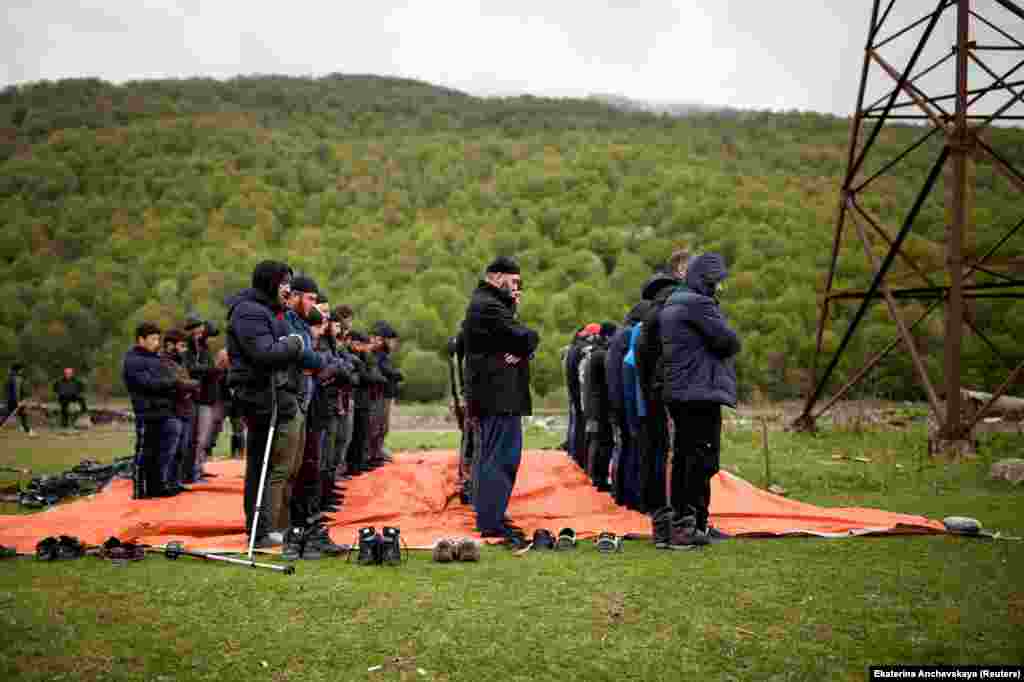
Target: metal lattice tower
[(958, 98)]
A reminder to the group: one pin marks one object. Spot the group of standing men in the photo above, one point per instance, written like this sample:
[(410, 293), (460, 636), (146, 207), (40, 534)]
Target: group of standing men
[(297, 375), (668, 369)]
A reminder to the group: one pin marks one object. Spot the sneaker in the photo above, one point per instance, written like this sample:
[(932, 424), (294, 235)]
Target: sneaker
[(369, 543), (8, 552), (293, 541), (686, 535), (661, 527), (444, 551), (467, 549), (47, 549), (608, 542), (715, 535), (543, 539), (391, 546), (566, 539)]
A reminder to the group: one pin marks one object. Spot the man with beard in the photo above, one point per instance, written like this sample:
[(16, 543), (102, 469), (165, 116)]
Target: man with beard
[(200, 364), (700, 376), (340, 328), (262, 349), (498, 351), (385, 338)]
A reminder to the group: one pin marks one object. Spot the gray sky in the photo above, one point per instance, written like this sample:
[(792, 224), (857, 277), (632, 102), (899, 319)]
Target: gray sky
[(795, 54)]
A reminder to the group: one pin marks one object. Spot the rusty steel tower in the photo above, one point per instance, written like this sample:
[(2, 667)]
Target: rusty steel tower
[(954, 101)]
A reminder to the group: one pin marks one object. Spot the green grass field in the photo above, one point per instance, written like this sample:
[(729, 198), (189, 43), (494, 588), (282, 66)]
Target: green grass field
[(787, 609)]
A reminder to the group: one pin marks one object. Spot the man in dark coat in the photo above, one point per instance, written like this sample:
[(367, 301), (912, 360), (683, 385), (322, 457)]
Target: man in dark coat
[(654, 435), (69, 390), (17, 395), (152, 389), (199, 362), (386, 338), (498, 351), (625, 462), (698, 347), (179, 469), (261, 350)]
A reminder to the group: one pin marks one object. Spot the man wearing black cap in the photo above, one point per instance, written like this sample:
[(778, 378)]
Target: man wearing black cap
[(498, 350)]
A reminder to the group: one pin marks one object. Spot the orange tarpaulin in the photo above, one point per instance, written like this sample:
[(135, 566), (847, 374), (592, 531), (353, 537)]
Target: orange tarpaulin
[(418, 494)]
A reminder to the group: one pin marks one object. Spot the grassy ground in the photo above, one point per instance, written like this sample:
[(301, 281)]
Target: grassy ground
[(744, 610)]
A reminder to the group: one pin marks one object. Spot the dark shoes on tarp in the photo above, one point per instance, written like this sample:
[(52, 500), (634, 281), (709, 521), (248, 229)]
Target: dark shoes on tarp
[(64, 547)]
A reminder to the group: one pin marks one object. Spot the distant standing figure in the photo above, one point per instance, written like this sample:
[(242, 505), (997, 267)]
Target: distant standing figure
[(17, 393)]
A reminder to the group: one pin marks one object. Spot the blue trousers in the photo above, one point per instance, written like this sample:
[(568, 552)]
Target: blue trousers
[(500, 451), (172, 431)]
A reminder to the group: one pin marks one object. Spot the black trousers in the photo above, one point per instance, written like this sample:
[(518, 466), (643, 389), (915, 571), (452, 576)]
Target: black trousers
[(358, 449), (653, 444), (698, 445)]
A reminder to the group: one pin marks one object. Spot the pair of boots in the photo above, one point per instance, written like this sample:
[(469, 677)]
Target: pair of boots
[(679, 532), (309, 542)]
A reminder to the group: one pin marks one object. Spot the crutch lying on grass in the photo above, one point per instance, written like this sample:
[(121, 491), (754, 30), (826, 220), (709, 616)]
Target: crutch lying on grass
[(172, 550)]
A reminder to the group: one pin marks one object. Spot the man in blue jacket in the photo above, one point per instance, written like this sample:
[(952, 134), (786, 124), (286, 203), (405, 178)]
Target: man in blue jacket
[(698, 348), (261, 350), (498, 352)]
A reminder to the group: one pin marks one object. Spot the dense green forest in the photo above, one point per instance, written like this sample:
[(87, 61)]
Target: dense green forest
[(149, 199)]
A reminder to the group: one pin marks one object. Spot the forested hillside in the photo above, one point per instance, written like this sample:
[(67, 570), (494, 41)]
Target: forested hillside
[(149, 199)]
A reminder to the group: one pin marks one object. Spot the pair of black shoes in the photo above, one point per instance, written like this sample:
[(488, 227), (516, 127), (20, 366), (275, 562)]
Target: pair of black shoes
[(64, 547), (376, 549)]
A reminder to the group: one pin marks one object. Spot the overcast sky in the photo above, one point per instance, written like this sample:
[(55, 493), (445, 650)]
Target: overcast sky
[(797, 54)]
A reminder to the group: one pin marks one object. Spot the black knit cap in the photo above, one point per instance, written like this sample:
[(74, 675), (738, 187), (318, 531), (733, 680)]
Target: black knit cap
[(504, 264), (384, 330), (359, 337), (304, 285)]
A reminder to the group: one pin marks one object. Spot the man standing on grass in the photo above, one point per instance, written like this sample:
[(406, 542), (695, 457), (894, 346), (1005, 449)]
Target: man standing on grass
[(498, 352), (69, 389), (17, 394)]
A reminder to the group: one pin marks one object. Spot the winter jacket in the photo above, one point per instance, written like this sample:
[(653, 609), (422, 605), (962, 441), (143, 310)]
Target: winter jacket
[(68, 389), (309, 360), (390, 372), (185, 388), (260, 352), (596, 404), (649, 359), (150, 384), (336, 372), (493, 386), (698, 344), (198, 360)]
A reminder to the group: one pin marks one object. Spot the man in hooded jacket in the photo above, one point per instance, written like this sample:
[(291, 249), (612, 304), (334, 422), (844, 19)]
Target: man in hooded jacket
[(698, 348), (261, 349), (498, 350)]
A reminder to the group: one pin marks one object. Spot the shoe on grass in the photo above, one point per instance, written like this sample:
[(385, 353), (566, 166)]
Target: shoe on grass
[(444, 551)]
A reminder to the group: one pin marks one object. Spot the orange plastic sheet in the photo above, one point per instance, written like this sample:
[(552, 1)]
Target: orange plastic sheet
[(418, 494)]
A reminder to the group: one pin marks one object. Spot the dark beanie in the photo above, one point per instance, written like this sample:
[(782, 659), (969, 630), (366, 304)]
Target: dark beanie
[(384, 330), (504, 264), (359, 337), (304, 285)]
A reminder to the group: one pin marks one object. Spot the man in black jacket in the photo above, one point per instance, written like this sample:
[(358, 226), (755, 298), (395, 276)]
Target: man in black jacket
[(698, 347), (654, 429), (385, 338), (199, 362), (498, 352), (261, 349), (69, 389), (152, 388)]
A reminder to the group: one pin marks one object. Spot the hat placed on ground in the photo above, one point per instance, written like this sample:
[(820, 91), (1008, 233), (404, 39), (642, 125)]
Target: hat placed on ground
[(304, 285), (504, 264)]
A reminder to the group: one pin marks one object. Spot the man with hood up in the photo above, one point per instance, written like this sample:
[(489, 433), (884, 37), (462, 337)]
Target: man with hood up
[(698, 348), (261, 349), (625, 457)]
